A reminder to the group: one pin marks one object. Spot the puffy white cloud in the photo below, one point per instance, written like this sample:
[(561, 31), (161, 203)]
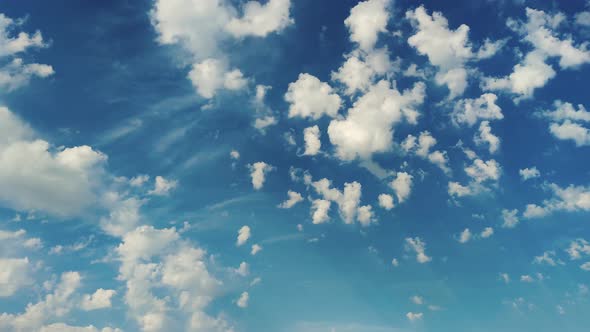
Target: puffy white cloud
[(583, 18), (319, 211), (162, 187), (360, 69), (448, 50), (578, 248), (526, 278), (395, 262), (481, 171), (243, 235), (123, 214), (585, 266), (422, 148), (138, 181), (402, 186), (17, 74), (566, 122), (571, 131), (529, 173), (465, 236), (211, 75), (571, 198), (10, 45), (311, 136), (365, 215), (547, 258), (368, 126), (505, 277), (258, 173), (256, 248), (366, 20), (486, 137), (418, 300), (510, 218), (386, 201), (414, 316), (294, 198), (33, 176), (487, 232), (243, 270), (566, 111), (533, 71), (419, 247), (15, 273), (469, 111), (242, 301), (311, 98), (234, 154), (99, 300), (458, 190), (260, 20)]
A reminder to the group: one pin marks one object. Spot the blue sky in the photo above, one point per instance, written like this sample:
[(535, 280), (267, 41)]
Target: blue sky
[(296, 166)]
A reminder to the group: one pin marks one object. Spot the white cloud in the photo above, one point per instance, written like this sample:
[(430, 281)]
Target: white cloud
[(61, 327), (529, 173), (139, 180), (243, 270), (15, 273), (366, 20), (486, 137), (402, 186), (234, 154), (242, 301), (258, 173), (260, 20), (256, 248), (482, 171), (422, 149), (294, 198), (547, 258), (33, 176), (419, 247), (578, 249), (311, 136), (418, 300), (368, 126), (99, 300), (386, 201), (123, 213), (469, 111), (465, 236), (571, 198), (319, 211), (311, 98), (243, 235), (487, 232), (585, 266), (505, 277), (162, 187), (211, 75), (365, 215), (533, 71), (414, 316), (458, 190), (526, 278), (395, 262), (571, 131), (510, 218), (583, 18), (360, 69)]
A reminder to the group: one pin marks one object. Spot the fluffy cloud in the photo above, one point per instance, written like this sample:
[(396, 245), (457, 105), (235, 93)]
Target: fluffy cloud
[(571, 198), (414, 316), (481, 171), (547, 258), (243, 235), (348, 202), (258, 173), (99, 300), (366, 20), (260, 20), (567, 123), (360, 69), (402, 186), (470, 111), (419, 248), (15, 273), (448, 50), (486, 137), (294, 198), (319, 211), (242, 301), (529, 173), (256, 248), (533, 71), (487, 232), (162, 187), (368, 126), (386, 201), (211, 75), (311, 136), (311, 98), (34, 176), (465, 236), (510, 218), (421, 147)]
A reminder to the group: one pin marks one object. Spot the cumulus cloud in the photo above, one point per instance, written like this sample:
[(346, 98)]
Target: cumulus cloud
[(258, 173), (366, 20), (243, 235), (256, 248), (368, 126), (578, 248), (386, 201), (211, 75), (15, 273), (319, 211), (533, 72), (402, 186), (469, 111), (361, 68), (260, 20), (482, 171), (294, 198), (242, 301), (162, 187), (567, 123), (571, 198), (419, 248), (465, 236), (414, 316), (422, 146), (311, 136), (529, 173), (486, 137), (99, 300), (487, 232), (309, 97), (510, 218)]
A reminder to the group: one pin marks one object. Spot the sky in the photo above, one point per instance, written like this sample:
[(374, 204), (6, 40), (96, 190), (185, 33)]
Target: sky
[(294, 166)]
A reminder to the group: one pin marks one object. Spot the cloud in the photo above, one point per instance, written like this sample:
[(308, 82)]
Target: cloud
[(414, 316), (422, 148), (243, 235), (533, 72), (260, 20), (311, 136), (418, 300), (487, 232), (571, 198), (510, 218), (448, 50), (294, 198), (465, 236), (348, 202), (578, 249), (361, 68), (211, 75), (162, 187), (319, 211), (402, 186), (368, 126), (482, 171), (529, 173), (547, 258), (567, 123), (99, 300), (256, 248), (242, 301), (469, 111), (419, 247), (15, 273), (366, 20), (258, 173), (486, 137), (308, 97), (386, 201)]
